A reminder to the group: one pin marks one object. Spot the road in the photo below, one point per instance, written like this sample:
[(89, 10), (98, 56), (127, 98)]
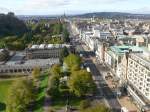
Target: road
[(104, 92)]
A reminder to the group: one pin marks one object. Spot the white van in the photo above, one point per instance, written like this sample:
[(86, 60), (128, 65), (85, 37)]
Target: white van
[(123, 109)]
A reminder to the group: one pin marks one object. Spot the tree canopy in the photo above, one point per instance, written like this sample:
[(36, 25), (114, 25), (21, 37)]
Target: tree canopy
[(66, 35), (53, 86), (72, 60), (55, 70), (10, 25), (81, 83), (36, 73), (97, 108), (20, 95)]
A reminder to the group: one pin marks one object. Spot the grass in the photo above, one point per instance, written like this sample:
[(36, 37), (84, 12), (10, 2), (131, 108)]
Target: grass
[(4, 87), (60, 102), (41, 94), (6, 83)]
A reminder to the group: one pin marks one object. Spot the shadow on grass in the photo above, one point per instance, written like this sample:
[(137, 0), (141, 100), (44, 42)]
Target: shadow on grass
[(61, 101), (41, 89), (2, 106), (42, 77), (39, 103), (41, 94)]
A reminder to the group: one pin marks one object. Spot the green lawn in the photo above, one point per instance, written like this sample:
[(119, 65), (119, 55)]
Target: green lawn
[(41, 95), (6, 83), (4, 87), (60, 102)]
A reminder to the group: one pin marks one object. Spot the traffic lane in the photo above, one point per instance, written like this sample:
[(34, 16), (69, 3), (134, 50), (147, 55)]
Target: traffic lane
[(104, 86), (100, 82), (107, 92)]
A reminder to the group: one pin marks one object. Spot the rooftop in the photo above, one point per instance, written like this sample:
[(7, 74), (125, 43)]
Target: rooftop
[(123, 49), (49, 46), (18, 60)]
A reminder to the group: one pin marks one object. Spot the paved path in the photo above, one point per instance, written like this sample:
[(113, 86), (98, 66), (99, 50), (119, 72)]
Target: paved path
[(103, 89), (47, 103)]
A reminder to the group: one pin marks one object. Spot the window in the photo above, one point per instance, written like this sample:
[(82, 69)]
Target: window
[(148, 80), (148, 85), (148, 74), (147, 89), (146, 94)]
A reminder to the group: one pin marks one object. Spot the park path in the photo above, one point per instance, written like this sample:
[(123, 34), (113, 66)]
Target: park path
[(47, 100), (47, 103)]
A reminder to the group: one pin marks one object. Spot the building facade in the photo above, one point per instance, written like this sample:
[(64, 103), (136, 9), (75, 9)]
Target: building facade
[(44, 51), (138, 77)]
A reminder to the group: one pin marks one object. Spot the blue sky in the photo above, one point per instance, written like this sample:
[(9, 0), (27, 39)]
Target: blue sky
[(54, 7)]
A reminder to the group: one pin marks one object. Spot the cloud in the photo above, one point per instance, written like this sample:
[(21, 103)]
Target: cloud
[(45, 4), (143, 10), (4, 10), (61, 6)]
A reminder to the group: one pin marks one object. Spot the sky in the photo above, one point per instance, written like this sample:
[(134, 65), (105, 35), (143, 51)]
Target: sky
[(59, 7)]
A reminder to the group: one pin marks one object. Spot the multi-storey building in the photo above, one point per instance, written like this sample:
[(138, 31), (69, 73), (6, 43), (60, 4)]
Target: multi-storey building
[(138, 78), (44, 51), (115, 54), (4, 54)]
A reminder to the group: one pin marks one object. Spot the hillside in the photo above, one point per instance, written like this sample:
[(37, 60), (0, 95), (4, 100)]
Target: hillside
[(10, 25), (116, 15)]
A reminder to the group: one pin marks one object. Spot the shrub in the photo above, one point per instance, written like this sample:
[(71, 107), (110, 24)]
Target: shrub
[(84, 104)]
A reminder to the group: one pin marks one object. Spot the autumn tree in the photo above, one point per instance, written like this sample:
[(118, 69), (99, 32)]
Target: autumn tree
[(81, 83), (55, 70), (97, 108), (36, 73), (53, 86), (72, 60), (20, 95)]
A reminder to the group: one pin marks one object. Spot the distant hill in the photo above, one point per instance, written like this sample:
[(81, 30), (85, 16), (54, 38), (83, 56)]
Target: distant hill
[(10, 25), (116, 15)]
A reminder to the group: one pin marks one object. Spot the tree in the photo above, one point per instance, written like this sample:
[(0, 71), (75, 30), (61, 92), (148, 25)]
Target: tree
[(55, 70), (85, 104), (81, 83), (36, 73), (57, 29), (53, 86), (11, 25), (72, 60), (75, 68), (20, 95), (97, 108), (64, 53), (50, 109), (27, 37), (66, 36)]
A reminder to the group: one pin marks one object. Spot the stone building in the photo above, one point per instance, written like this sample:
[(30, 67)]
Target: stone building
[(45, 51)]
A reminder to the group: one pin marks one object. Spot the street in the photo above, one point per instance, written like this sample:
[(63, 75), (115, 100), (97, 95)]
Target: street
[(104, 92)]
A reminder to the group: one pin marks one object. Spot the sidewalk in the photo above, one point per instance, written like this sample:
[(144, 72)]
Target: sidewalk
[(124, 101), (128, 104)]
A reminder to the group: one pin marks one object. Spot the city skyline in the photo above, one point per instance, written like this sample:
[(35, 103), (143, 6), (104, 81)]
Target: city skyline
[(57, 7)]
